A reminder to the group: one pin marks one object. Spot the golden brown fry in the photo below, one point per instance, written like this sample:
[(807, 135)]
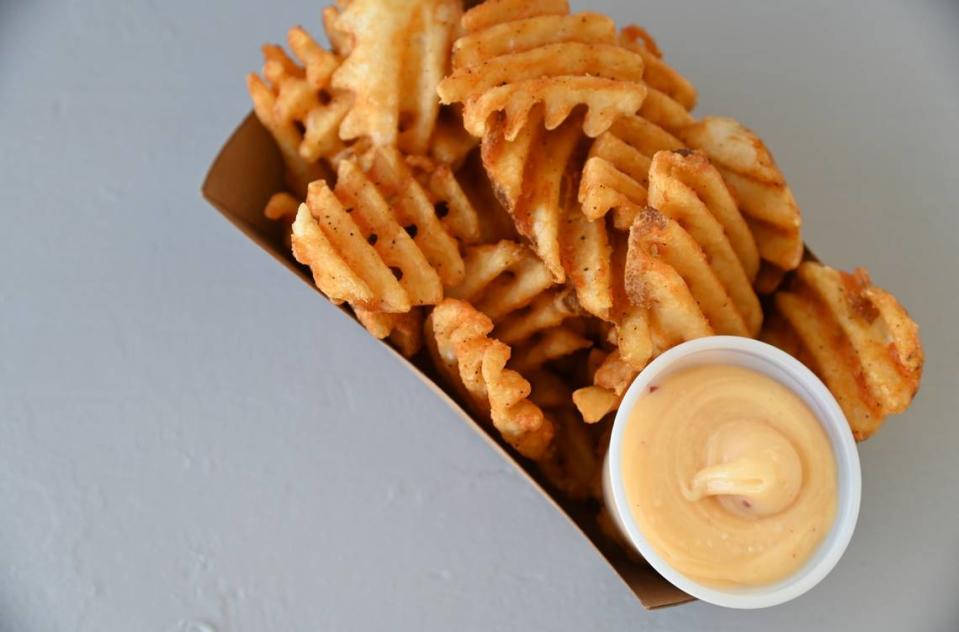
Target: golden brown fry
[(657, 237), (450, 202), (684, 186), (603, 188), (616, 175), (345, 267), (376, 242), (299, 107), (546, 346), (757, 184), (492, 12), (501, 278), (633, 334), (381, 225), (458, 338), (663, 112), (518, 57), (415, 210), (519, 35), (675, 316), (494, 221), (547, 310), (855, 336), (693, 169), (528, 175), (585, 255), (398, 54)]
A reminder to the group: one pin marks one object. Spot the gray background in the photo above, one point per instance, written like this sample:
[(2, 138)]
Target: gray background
[(192, 441)]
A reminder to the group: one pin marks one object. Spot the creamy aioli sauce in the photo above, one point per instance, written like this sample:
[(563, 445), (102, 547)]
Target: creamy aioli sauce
[(729, 475)]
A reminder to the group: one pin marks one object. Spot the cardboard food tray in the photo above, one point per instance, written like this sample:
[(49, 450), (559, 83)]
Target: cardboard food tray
[(247, 171)]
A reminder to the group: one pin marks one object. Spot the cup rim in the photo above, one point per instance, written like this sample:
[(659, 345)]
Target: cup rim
[(848, 474)]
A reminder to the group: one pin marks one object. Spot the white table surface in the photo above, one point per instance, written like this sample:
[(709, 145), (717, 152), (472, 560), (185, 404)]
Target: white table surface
[(191, 440)]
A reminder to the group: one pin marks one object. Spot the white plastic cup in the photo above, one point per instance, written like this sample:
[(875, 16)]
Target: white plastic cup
[(780, 366)]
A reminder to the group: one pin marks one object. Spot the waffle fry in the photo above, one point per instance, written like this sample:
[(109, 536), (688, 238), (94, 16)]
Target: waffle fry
[(687, 188), (546, 346), (517, 55), (416, 210), (458, 338), (501, 278), (855, 336), (528, 175), (586, 257), (398, 54), (549, 309), (299, 107), (450, 203), (657, 312), (376, 241), (616, 174), (757, 184), (660, 238)]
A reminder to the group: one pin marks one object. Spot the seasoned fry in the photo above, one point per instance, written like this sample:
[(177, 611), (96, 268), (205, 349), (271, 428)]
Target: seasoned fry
[(501, 278), (458, 338), (616, 175), (528, 175), (855, 336), (586, 257), (450, 203), (398, 54), (549, 309), (661, 238), (655, 310), (546, 346), (416, 211), (687, 188), (299, 107), (516, 56), (663, 112), (757, 184), (376, 242), (519, 35)]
